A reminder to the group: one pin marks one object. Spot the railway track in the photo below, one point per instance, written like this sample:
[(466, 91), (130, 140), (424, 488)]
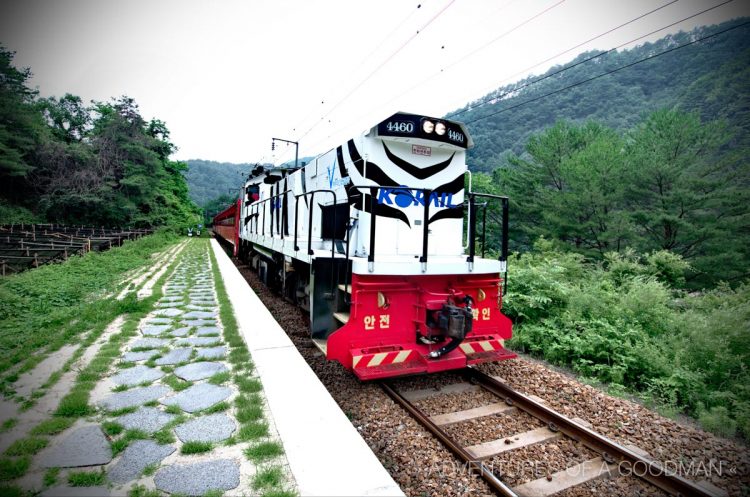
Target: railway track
[(423, 465), (612, 460)]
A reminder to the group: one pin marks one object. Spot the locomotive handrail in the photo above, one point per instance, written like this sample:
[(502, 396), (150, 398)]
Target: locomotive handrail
[(310, 218), (258, 204), (504, 233), (282, 217), (309, 227), (472, 225)]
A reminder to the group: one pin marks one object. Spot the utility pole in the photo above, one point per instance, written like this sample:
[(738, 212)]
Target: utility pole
[(296, 148)]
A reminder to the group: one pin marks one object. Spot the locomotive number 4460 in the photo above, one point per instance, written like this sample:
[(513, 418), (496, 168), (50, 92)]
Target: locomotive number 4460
[(400, 127)]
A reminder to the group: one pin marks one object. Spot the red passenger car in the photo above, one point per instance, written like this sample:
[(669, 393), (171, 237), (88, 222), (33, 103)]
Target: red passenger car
[(227, 226)]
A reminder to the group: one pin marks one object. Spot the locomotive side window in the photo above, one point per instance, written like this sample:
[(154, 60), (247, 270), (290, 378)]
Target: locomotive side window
[(328, 229), (252, 192)]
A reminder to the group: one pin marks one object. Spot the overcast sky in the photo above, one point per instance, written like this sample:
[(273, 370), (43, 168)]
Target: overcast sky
[(227, 76)]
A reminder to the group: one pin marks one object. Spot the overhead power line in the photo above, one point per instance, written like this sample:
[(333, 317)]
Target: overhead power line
[(497, 38), (367, 57), (588, 80), (494, 98), (380, 66)]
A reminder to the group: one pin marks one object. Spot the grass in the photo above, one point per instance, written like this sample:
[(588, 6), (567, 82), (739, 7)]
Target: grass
[(247, 385), (8, 425), (264, 451), (150, 469), (268, 478), (12, 491), (163, 436), (123, 411), (279, 493), (220, 378), (175, 383), (142, 491), (12, 468), (248, 401), (86, 478), (50, 476), (111, 428), (194, 447), (121, 388), (249, 413), (252, 431), (151, 403), (26, 446), (173, 409), (118, 446), (74, 405), (51, 306), (140, 349), (220, 407), (238, 355), (52, 426), (134, 434)]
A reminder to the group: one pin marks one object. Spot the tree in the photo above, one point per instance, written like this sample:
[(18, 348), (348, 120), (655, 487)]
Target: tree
[(67, 116), (682, 194), (569, 187), (20, 127)]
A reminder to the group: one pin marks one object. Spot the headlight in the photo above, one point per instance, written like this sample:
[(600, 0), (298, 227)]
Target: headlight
[(428, 126), (440, 128)]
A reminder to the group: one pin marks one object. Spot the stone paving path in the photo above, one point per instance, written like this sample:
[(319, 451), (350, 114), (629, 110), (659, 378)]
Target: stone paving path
[(171, 387)]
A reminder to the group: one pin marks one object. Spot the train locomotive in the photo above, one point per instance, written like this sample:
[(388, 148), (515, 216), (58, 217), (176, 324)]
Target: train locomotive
[(368, 238)]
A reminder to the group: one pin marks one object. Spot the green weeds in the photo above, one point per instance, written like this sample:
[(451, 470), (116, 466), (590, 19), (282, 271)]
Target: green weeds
[(220, 378), (12, 468), (252, 431), (194, 447), (50, 477), (625, 323), (220, 407), (86, 478), (26, 446), (267, 478), (264, 451)]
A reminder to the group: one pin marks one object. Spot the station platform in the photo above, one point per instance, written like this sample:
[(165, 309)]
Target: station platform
[(326, 454)]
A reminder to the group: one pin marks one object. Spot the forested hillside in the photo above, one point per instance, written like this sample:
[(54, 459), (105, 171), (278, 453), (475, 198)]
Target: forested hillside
[(208, 179), (211, 183), (67, 162), (710, 77)]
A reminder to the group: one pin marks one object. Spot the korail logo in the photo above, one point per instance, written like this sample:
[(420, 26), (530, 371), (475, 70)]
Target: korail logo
[(331, 174), (406, 197)]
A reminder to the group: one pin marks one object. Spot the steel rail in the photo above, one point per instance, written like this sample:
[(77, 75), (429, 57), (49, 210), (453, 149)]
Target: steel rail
[(460, 452), (609, 450)]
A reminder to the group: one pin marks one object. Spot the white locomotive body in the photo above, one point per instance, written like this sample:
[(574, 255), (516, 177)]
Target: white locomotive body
[(372, 222)]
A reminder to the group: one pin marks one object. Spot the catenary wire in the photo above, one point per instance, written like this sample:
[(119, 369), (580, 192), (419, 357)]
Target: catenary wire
[(497, 38), (380, 66), (494, 98), (366, 58)]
